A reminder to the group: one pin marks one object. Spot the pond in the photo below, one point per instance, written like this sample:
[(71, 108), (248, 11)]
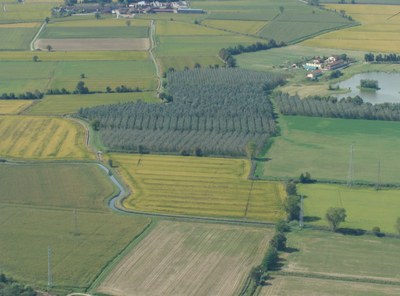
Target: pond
[(389, 84)]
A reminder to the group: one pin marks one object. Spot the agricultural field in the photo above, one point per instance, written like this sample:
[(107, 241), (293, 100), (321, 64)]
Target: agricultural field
[(8, 107), (31, 137), (45, 56), (198, 186), (39, 213), (17, 36), (300, 286), (377, 32), (365, 207), (321, 146), (20, 76), (70, 32), (331, 254), (68, 104), (168, 28), (77, 21), (243, 27), (189, 259), (24, 12)]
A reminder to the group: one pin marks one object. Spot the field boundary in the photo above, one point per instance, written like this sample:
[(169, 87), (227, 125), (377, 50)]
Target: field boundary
[(344, 278), (114, 261)]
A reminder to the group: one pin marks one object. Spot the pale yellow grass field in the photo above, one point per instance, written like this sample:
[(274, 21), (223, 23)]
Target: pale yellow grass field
[(20, 25), (30, 137), (189, 259), (198, 186), (168, 28), (13, 106), (75, 55), (378, 31), (244, 27)]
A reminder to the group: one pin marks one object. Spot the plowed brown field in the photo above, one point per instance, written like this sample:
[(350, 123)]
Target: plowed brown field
[(189, 259)]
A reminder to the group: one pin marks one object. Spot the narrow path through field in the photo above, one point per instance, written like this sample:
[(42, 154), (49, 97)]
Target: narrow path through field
[(153, 45), (32, 45)]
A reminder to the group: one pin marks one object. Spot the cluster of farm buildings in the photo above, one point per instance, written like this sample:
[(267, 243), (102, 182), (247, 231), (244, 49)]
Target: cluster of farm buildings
[(318, 66), (127, 11)]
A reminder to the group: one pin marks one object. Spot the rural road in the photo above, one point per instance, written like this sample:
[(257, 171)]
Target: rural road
[(152, 47), (32, 45)]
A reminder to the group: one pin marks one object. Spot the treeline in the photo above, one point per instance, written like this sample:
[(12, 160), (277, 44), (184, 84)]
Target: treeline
[(227, 53), (82, 89), (382, 58), (210, 112), (350, 107), (9, 287), (36, 95)]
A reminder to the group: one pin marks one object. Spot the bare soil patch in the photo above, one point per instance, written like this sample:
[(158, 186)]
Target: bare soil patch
[(189, 259), (94, 44)]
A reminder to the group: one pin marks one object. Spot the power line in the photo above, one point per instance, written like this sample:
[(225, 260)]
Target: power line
[(49, 276), (350, 175)]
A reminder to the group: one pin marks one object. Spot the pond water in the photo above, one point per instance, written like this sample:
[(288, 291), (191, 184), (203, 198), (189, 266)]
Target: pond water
[(389, 84)]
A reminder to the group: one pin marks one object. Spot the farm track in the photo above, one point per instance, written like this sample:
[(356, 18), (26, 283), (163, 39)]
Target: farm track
[(32, 45), (151, 49)]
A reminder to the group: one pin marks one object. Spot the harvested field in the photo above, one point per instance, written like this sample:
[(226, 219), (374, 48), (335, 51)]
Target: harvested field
[(198, 186), (54, 32), (300, 286), (189, 259), (42, 138), (93, 44), (13, 106)]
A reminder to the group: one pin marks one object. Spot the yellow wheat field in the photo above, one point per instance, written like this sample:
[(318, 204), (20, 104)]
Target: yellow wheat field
[(31, 137), (198, 186), (13, 106), (379, 29)]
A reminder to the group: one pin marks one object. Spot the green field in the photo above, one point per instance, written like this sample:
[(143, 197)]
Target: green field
[(45, 56), (244, 27), (38, 213), (20, 76), (340, 255), (321, 146), (365, 207), (299, 286), (57, 32), (175, 28), (16, 38), (24, 12), (66, 104), (198, 186)]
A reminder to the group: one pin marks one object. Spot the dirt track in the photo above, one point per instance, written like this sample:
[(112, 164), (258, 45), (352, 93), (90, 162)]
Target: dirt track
[(93, 44)]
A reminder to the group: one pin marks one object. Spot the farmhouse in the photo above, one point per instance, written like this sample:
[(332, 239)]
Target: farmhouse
[(312, 66), (336, 65), (314, 74)]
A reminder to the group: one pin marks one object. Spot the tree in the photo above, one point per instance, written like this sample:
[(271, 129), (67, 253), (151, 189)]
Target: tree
[(110, 163), (49, 47), (95, 124), (197, 66), (397, 226), (270, 259), (282, 226), (251, 148), (281, 9), (47, 20), (81, 88), (256, 274), (35, 58), (305, 178), (291, 188), (128, 23), (278, 241), (83, 76), (335, 216), (376, 230), (291, 206), (97, 15)]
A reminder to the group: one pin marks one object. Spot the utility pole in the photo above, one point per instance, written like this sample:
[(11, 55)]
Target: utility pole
[(76, 227), (49, 277), (301, 223), (378, 179), (351, 167)]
